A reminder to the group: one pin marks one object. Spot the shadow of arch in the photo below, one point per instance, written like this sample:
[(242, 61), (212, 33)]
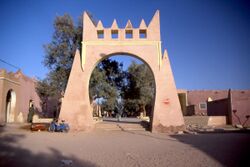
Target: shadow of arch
[(13, 155), (229, 149)]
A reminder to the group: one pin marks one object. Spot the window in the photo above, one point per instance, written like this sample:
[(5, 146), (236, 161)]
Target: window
[(143, 33), (100, 34), (203, 106), (114, 34), (129, 34)]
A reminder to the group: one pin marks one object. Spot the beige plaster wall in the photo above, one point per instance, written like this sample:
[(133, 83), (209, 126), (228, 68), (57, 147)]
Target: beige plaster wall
[(27, 93), (24, 88)]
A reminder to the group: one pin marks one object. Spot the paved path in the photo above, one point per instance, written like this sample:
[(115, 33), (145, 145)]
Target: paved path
[(20, 147)]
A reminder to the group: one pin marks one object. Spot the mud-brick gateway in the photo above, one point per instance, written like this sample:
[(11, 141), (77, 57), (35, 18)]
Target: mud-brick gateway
[(143, 43)]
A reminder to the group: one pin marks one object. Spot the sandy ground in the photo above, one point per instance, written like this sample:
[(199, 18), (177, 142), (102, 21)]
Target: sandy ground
[(19, 147)]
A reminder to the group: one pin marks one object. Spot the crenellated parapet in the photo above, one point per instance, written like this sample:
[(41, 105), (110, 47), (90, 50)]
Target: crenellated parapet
[(144, 35), (9, 76), (15, 77), (93, 32)]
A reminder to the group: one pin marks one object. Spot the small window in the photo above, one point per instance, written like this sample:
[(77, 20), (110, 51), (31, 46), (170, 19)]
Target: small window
[(203, 106), (100, 34), (114, 34), (129, 34), (143, 33)]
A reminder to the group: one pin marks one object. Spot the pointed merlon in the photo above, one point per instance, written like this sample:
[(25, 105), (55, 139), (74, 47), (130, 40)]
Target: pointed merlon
[(87, 21), (143, 25), (155, 20), (129, 25), (114, 25), (99, 25)]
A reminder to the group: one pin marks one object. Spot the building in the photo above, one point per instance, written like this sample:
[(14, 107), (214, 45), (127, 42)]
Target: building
[(234, 104), (17, 93)]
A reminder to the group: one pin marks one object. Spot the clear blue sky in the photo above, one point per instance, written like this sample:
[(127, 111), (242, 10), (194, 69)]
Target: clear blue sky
[(208, 41)]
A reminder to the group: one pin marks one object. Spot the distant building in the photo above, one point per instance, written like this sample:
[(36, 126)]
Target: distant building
[(17, 93), (234, 104)]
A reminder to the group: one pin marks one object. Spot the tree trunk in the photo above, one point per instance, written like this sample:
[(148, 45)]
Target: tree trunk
[(144, 111)]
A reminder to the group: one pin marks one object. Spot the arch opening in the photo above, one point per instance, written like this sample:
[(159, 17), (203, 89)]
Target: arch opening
[(10, 106), (122, 88)]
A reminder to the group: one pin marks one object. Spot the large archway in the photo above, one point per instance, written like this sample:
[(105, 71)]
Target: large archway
[(98, 43), (122, 90), (10, 106)]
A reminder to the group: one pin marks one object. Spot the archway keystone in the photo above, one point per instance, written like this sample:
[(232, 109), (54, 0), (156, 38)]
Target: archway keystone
[(96, 45)]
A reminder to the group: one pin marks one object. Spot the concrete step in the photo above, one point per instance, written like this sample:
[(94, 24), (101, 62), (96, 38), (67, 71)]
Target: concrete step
[(119, 126)]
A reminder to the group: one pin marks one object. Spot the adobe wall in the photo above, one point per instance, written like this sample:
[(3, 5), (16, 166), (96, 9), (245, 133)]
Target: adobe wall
[(24, 89), (2, 95), (28, 92), (241, 104), (195, 97)]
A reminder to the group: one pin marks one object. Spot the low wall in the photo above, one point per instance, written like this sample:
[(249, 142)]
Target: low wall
[(217, 120), (241, 110), (196, 120), (36, 119), (205, 120)]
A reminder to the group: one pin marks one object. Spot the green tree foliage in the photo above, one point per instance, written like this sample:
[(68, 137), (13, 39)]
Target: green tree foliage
[(139, 90), (134, 88), (45, 90), (105, 83), (113, 72), (60, 51), (59, 55)]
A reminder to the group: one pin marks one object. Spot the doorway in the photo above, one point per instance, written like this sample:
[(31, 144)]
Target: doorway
[(10, 106)]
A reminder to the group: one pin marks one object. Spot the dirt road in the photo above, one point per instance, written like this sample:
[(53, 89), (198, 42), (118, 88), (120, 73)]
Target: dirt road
[(20, 147)]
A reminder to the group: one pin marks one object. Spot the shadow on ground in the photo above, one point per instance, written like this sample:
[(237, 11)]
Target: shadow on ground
[(240, 131), (12, 155), (230, 149)]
